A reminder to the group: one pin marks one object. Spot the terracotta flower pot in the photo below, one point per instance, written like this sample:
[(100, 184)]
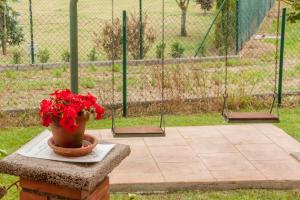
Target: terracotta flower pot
[(63, 138)]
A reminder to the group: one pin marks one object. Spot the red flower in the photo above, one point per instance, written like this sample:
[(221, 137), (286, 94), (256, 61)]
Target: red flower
[(99, 111), (46, 120), (45, 112), (65, 107), (62, 95), (68, 120)]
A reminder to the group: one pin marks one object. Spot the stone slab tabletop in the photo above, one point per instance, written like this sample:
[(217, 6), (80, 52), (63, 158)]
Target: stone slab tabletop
[(73, 175)]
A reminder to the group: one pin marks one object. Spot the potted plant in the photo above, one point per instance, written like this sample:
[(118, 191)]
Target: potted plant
[(67, 113)]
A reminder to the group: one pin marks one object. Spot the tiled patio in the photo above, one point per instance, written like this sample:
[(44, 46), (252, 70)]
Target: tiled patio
[(227, 156)]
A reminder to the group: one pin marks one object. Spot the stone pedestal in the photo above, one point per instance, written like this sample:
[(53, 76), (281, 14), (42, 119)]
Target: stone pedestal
[(51, 180)]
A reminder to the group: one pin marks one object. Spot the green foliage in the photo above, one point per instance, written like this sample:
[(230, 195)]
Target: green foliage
[(3, 152), (206, 5), (44, 55), (92, 69), (65, 68), (17, 56), (159, 49), (11, 32), (10, 74), (117, 68), (177, 50), (294, 16), (57, 72), (92, 56), (88, 83), (225, 30), (65, 56)]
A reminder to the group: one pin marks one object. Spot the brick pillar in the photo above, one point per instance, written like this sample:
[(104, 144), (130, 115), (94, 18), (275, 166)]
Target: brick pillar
[(33, 190)]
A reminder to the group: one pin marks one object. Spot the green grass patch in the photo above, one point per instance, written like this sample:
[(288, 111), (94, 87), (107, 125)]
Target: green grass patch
[(217, 195)]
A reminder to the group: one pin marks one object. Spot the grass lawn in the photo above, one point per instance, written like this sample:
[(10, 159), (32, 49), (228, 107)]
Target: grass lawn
[(51, 22), (11, 139)]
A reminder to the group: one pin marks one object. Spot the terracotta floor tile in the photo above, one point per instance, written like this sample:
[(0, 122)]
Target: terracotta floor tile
[(244, 134), (271, 130), (226, 161), (192, 171), (200, 132), (262, 152), (139, 153), (136, 171), (279, 170), (137, 166), (172, 132), (173, 154), (289, 144), (224, 175), (211, 145)]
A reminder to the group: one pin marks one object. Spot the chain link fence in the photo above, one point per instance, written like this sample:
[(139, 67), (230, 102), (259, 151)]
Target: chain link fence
[(194, 78)]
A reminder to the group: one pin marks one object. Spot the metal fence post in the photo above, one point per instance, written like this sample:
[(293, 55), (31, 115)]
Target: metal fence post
[(237, 28), (32, 50), (283, 21), (124, 45), (74, 46), (141, 29)]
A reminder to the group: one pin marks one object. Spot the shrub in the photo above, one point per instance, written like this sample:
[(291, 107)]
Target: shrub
[(177, 50), (44, 55), (117, 68), (10, 74), (57, 72), (88, 83), (92, 56), (92, 69), (133, 35), (206, 5), (65, 56), (103, 40), (17, 56), (159, 49), (64, 68)]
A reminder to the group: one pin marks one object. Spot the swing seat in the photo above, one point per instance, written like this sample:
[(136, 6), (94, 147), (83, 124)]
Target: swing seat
[(254, 117), (139, 132)]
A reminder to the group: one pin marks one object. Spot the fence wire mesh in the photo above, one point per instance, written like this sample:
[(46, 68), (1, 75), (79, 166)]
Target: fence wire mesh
[(192, 83)]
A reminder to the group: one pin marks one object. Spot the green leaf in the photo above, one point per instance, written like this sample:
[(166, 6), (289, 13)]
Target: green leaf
[(3, 152)]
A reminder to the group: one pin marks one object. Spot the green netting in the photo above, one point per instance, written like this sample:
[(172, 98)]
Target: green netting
[(250, 14)]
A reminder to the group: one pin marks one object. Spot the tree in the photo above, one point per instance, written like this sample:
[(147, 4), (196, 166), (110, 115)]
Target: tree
[(206, 5), (11, 32), (295, 14), (183, 5)]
